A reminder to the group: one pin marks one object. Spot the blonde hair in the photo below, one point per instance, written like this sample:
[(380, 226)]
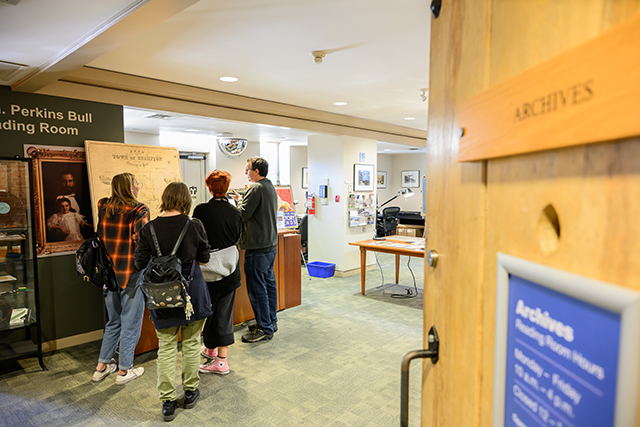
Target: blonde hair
[(121, 194), (176, 196)]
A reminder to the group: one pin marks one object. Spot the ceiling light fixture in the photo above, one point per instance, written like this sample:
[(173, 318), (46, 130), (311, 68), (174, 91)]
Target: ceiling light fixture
[(340, 103), (192, 130), (229, 79), (388, 149), (409, 118)]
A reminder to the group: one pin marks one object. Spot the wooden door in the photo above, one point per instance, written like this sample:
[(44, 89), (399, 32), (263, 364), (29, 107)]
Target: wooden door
[(475, 210), (454, 220)]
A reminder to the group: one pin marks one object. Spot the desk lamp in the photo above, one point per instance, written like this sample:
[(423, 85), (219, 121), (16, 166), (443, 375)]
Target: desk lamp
[(406, 192)]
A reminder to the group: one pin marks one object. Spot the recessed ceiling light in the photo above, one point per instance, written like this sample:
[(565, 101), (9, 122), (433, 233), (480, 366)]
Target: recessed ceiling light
[(388, 149), (340, 103), (409, 118), (192, 130), (229, 79)]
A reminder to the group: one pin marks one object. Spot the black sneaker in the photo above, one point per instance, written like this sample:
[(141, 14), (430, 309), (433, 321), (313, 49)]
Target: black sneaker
[(190, 398), (254, 326), (169, 410), (256, 335)]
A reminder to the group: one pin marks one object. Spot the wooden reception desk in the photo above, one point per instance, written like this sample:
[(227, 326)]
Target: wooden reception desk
[(288, 278)]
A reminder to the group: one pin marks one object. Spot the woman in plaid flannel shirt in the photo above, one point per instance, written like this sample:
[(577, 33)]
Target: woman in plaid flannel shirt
[(120, 218)]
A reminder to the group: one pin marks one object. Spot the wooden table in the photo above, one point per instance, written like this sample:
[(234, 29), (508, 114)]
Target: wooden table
[(412, 246)]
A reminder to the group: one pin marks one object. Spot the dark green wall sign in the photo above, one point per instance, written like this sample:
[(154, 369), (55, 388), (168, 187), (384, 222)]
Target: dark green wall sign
[(69, 306)]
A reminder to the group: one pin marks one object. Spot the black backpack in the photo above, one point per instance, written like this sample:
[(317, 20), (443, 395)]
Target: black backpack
[(162, 281), (94, 265)]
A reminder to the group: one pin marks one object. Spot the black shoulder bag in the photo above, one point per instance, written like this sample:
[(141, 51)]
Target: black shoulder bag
[(162, 281), (94, 265)]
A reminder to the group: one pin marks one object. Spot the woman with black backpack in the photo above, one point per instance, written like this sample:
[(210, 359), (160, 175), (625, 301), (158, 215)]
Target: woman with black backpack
[(169, 322)]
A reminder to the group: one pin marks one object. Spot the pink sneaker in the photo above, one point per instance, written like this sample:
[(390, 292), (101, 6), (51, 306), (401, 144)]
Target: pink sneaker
[(218, 366), (209, 353)]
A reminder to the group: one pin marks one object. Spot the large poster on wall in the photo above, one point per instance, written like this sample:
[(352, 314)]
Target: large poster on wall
[(286, 212), (153, 166)]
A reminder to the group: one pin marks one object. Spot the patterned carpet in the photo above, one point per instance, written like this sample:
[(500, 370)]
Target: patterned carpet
[(335, 361)]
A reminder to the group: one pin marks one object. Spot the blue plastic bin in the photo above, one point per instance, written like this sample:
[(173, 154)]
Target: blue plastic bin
[(320, 269)]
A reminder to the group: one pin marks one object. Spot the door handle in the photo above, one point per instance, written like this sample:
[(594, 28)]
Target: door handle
[(431, 352), (432, 258)]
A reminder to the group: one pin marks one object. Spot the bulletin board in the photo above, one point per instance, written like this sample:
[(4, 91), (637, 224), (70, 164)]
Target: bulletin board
[(286, 210), (361, 209), (154, 167)]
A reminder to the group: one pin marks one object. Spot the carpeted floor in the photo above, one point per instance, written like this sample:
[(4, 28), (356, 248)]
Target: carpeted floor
[(335, 361)]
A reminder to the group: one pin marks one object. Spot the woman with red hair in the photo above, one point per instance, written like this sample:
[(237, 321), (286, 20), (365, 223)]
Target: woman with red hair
[(223, 224)]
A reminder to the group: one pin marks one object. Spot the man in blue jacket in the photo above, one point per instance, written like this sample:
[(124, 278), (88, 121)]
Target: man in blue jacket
[(259, 238)]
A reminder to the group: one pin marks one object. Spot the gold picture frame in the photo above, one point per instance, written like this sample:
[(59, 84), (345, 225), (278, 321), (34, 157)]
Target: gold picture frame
[(59, 173)]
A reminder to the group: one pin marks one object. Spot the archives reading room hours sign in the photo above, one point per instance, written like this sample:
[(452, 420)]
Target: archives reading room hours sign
[(566, 349), (154, 167), (562, 359)]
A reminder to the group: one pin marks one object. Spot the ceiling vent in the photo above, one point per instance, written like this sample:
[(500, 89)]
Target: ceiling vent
[(159, 116), (8, 70)]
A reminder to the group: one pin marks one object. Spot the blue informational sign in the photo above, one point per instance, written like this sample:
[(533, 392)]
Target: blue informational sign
[(562, 359), (290, 219)]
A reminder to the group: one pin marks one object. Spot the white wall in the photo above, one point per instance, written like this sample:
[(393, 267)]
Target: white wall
[(298, 160), (394, 164), (352, 149), (141, 138), (399, 163), (385, 163), (333, 157)]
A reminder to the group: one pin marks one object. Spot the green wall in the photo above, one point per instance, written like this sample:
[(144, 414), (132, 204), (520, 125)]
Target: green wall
[(68, 305)]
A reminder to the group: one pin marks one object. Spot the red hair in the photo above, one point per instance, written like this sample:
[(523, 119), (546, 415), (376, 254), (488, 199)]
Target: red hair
[(218, 183)]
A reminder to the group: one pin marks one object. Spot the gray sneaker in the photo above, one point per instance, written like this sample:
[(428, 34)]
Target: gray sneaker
[(255, 336), (254, 326)]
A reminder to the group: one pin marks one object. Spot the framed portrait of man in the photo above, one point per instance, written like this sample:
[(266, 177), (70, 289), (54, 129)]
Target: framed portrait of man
[(62, 203)]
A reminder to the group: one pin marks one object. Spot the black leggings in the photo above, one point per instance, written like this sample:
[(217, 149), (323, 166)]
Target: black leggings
[(218, 330)]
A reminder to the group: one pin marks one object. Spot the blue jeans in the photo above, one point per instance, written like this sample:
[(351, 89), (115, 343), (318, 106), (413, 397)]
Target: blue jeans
[(125, 308), (261, 287)]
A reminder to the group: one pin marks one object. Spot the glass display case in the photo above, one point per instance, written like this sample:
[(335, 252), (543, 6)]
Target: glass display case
[(20, 333)]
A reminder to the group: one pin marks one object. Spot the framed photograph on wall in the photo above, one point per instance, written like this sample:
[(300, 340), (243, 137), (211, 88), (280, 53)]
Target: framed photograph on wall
[(410, 179), (62, 204), (305, 177), (382, 179), (362, 177)]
